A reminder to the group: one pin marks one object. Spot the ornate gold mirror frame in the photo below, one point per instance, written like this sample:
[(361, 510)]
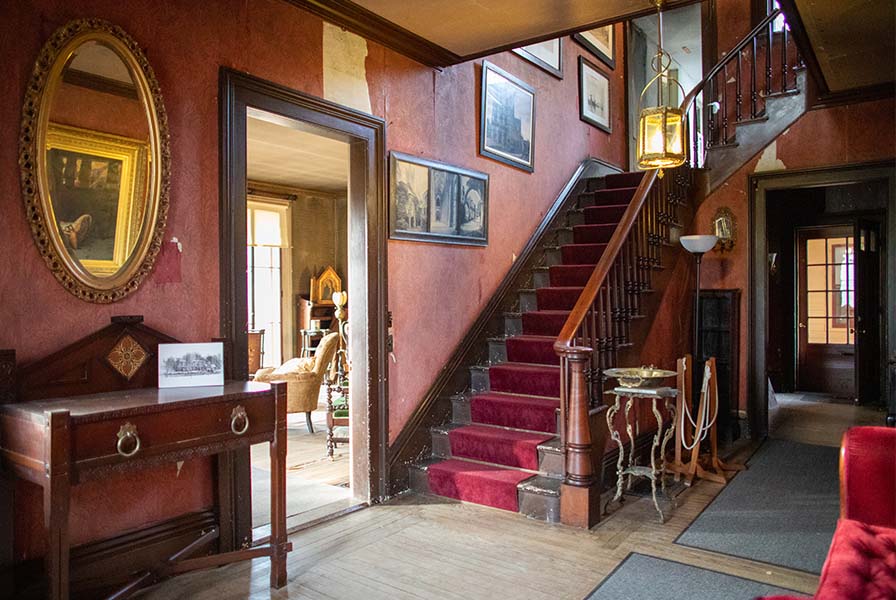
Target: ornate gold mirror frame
[(33, 141)]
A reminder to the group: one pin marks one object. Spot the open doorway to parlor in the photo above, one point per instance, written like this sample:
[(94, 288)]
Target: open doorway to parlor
[(823, 294), (302, 218), (296, 258)]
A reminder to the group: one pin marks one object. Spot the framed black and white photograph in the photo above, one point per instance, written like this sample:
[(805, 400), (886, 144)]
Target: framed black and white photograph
[(507, 130), (410, 196), (435, 202), (599, 42), (547, 55), (594, 95), (189, 365)]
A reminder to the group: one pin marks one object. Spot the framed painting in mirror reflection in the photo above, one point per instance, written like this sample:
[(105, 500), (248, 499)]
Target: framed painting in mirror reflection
[(97, 186)]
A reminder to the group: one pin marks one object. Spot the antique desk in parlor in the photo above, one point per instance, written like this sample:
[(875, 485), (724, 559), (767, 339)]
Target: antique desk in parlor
[(60, 440)]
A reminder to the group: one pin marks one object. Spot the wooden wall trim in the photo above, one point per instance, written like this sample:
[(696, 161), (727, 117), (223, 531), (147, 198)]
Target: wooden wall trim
[(413, 440), (374, 27), (97, 568), (759, 185)]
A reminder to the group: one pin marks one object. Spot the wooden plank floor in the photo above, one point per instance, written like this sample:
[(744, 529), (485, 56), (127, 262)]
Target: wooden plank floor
[(422, 547)]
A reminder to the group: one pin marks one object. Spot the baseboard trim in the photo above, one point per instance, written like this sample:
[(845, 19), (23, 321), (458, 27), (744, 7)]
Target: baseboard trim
[(101, 567)]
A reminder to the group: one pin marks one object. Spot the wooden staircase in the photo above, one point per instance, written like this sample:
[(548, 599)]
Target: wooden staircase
[(528, 432), (503, 446)]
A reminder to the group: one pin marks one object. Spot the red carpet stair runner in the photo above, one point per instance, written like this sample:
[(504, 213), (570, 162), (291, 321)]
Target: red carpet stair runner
[(502, 450)]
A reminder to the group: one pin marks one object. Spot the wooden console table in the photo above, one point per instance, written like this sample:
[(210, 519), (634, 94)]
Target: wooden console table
[(57, 443)]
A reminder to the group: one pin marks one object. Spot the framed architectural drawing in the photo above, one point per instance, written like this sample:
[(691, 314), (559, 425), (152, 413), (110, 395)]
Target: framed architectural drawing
[(436, 202), (599, 42), (594, 95), (507, 118), (547, 55), (188, 365)]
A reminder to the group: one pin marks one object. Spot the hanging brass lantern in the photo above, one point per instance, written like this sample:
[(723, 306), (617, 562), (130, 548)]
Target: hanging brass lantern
[(661, 128)]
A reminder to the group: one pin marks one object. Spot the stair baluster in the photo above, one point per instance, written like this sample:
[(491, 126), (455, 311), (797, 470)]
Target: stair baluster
[(768, 59)]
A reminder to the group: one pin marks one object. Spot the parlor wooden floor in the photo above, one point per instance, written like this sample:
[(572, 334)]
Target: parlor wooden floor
[(423, 547)]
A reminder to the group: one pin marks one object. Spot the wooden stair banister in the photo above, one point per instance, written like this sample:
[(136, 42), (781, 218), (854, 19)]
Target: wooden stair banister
[(598, 323)]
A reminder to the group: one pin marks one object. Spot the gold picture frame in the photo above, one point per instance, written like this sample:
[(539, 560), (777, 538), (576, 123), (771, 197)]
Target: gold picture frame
[(325, 285), (128, 158)]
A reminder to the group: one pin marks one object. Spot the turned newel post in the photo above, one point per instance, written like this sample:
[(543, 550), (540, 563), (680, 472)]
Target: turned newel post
[(580, 491)]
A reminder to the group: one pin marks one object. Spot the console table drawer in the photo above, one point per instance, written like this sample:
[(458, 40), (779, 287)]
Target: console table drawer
[(188, 431)]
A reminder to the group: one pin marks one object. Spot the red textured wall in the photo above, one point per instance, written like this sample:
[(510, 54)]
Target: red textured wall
[(435, 291), (829, 137)]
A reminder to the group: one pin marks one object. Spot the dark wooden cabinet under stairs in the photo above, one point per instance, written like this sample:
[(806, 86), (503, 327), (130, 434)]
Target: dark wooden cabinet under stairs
[(501, 447)]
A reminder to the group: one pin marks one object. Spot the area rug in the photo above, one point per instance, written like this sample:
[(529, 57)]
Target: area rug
[(648, 578), (783, 510)]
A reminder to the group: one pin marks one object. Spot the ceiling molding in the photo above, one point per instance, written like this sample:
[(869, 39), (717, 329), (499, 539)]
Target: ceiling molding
[(372, 26)]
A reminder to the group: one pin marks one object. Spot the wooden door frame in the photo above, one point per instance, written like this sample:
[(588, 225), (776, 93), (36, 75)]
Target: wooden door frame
[(759, 185), (367, 291)]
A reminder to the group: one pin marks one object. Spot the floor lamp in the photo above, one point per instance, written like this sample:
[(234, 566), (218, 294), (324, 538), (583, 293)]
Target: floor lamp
[(698, 245)]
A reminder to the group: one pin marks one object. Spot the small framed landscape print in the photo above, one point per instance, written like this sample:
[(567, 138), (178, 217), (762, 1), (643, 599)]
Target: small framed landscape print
[(436, 202), (547, 55), (599, 42), (507, 118), (189, 365), (594, 95)]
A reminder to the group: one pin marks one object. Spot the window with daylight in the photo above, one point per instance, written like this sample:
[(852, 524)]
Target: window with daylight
[(830, 287), (267, 237)]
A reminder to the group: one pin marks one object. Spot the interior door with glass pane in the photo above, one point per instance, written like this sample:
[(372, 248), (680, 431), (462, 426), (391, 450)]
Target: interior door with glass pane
[(826, 297)]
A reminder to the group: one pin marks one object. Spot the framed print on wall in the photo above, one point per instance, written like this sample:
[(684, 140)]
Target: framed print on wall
[(594, 95), (600, 43), (507, 118), (547, 55), (431, 201)]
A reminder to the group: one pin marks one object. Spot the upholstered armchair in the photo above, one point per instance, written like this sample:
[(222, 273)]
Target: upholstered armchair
[(303, 377)]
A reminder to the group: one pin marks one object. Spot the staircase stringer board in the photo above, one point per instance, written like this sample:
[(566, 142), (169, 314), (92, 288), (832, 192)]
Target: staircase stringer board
[(414, 441)]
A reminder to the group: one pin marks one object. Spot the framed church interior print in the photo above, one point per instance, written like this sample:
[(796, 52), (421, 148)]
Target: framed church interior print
[(507, 118), (594, 95), (430, 201)]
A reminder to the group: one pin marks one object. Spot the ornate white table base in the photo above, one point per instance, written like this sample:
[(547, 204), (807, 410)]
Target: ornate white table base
[(660, 440)]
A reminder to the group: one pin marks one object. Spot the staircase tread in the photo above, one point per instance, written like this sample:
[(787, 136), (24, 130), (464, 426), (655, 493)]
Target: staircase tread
[(547, 311), (511, 397), (505, 434), (615, 189), (525, 366), (481, 469), (529, 337)]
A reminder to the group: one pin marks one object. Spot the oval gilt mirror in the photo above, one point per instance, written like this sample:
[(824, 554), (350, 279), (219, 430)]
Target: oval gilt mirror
[(95, 160)]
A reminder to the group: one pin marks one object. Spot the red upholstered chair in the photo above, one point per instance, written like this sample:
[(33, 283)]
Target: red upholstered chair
[(861, 563)]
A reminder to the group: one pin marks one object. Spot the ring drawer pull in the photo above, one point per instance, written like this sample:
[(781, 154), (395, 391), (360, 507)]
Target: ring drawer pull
[(239, 414), (128, 431)]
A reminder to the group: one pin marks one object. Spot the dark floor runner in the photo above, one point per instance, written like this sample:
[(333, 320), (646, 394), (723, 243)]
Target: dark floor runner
[(783, 510), (648, 578)]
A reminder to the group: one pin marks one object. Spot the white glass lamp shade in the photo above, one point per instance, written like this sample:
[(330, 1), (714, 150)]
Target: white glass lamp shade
[(698, 244)]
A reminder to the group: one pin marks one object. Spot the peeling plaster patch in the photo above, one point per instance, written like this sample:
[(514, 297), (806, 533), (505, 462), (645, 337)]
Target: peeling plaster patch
[(769, 160), (180, 465), (345, 73)]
